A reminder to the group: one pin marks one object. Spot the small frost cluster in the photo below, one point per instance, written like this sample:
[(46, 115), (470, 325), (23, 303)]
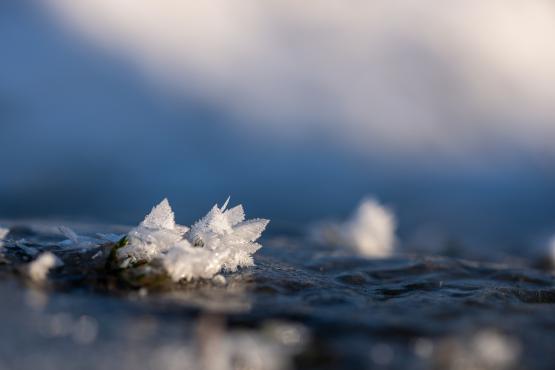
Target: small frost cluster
[(220, 241), (3, 234), (39, 268), (370, 231)]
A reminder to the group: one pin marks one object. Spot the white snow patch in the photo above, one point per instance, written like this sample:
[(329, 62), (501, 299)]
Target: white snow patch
[(219, 279), (38, 269), (486, 349), (220, 241), (377, 65), (370, 231), (3, 233)]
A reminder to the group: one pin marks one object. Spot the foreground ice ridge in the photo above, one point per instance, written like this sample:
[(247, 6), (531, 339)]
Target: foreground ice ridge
[(220, 241)]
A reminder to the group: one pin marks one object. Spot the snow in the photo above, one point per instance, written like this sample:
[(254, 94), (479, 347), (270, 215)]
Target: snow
[(38, 269), (3, 233), (220, 241), (157, 234), (189, 262), (370, 231), (111, 237)]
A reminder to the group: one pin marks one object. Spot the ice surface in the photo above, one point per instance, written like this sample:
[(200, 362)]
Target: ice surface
[(370, 231), (76, 241), (114, 238), (418, 303), (38, 269), (29, 250), (220, 241)]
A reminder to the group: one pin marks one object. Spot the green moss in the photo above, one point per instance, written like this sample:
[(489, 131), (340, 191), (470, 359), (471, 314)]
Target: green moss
[(111, 262)]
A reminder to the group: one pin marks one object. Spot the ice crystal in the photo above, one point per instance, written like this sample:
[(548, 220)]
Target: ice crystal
[(486, 349), (75, 241), (220, 241), (27, 249), (38, 269), (157, 234), (371, 230)]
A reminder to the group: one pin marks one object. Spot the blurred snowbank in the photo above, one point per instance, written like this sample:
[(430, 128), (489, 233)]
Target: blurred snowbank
[(461, 78)]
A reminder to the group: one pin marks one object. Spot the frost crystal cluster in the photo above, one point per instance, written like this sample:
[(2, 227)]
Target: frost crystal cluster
[(220, 241), (370, 231)]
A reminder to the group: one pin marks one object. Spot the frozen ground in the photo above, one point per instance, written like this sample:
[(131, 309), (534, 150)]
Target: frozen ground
[(302, 306)]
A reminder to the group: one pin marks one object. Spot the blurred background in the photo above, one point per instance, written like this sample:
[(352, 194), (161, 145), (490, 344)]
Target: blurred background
[(443, 110)]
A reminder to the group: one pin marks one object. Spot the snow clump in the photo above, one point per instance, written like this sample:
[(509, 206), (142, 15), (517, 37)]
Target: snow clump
[(370, 231), (39, 268)]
